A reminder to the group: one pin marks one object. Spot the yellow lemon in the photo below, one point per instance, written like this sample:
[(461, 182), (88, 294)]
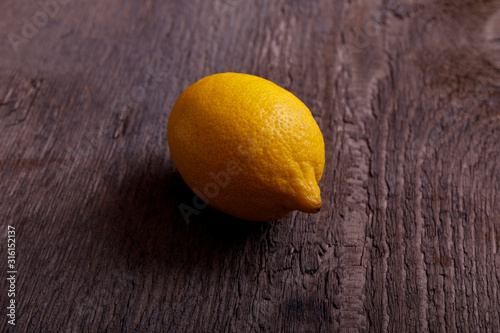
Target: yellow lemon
[(247, 147)]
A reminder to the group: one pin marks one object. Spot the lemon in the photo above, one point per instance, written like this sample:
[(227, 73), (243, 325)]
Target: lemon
[(247, 147)]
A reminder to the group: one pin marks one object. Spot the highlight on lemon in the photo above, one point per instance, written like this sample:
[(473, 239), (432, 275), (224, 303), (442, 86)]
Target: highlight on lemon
[(247, 147)]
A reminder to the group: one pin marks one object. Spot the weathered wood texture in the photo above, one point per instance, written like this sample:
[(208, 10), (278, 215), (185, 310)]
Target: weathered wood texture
[(407, 95)]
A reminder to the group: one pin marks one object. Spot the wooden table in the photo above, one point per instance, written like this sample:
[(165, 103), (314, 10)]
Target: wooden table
[(407, 95)]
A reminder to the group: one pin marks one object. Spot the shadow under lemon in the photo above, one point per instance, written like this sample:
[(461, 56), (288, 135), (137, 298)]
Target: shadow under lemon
[(140, 212)]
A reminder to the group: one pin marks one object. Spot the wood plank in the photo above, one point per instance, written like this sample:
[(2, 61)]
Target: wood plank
[(406, 93)]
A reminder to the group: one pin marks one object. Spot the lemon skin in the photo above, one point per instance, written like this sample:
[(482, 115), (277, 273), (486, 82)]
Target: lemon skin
[(247, 147)]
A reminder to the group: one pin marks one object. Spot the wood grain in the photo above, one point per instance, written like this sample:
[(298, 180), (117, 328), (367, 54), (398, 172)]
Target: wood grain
[(406, 93)]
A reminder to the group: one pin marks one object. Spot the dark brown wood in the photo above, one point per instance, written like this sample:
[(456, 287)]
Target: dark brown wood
[(407, 95)]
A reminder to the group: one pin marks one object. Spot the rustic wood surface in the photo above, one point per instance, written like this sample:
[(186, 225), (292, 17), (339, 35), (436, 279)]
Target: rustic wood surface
[(407, 95)]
